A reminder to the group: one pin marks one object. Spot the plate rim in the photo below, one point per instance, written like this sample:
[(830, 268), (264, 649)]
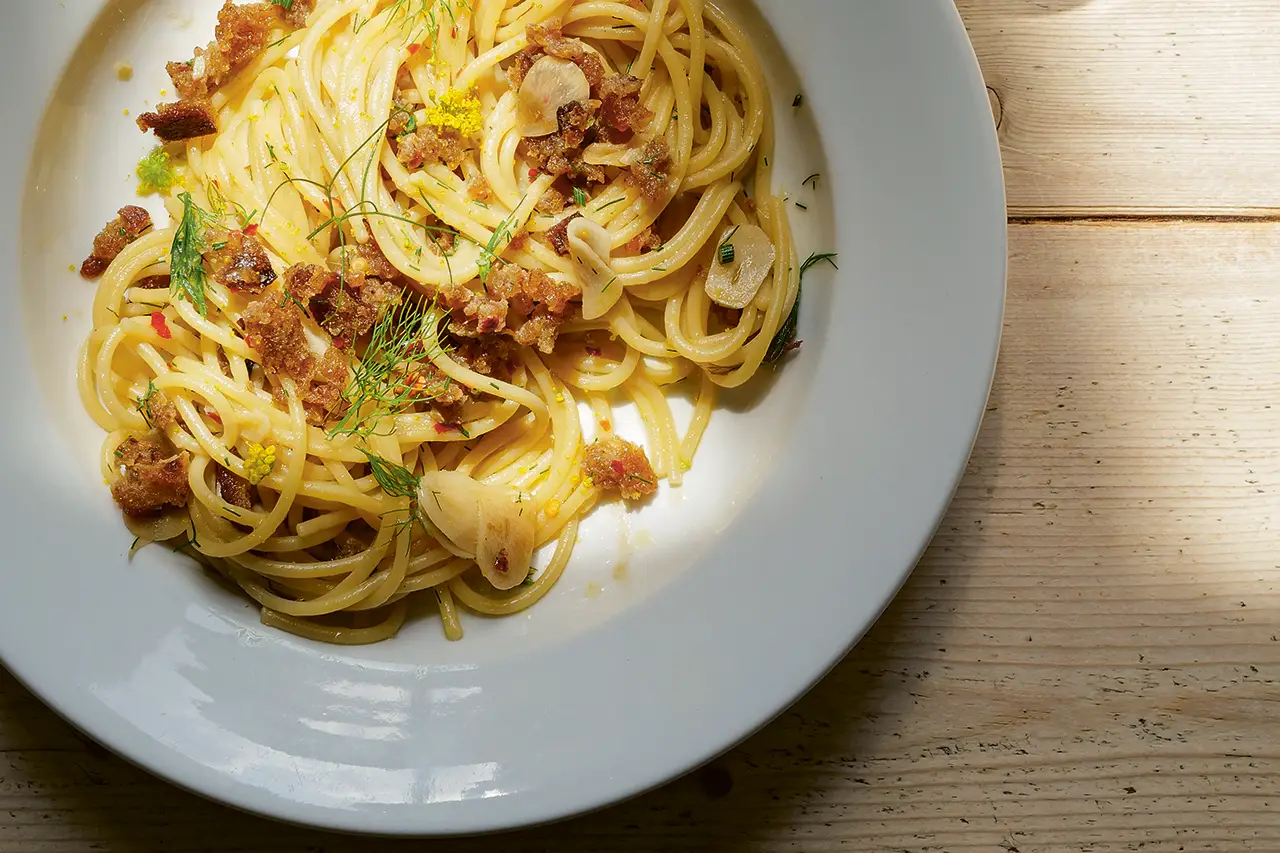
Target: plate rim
[(81, 705)]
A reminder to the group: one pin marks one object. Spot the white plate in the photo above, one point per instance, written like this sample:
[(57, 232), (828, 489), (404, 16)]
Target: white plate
[(673, 636)]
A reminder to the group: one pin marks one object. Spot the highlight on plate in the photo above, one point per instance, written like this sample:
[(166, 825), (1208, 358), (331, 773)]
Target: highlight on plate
[(406, 241)]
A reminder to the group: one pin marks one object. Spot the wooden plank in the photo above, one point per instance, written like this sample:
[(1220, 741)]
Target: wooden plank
[(1087, 660), (1129, 106)]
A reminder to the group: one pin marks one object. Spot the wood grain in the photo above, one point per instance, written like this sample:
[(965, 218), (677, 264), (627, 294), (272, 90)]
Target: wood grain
[(1130, 105), (1086, 660)]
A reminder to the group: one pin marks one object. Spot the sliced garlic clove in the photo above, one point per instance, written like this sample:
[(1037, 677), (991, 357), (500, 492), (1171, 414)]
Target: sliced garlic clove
[(451, 502), (550, 84), (505, 549), (735, 284), (590, 247), (159, 528), (480, 521)]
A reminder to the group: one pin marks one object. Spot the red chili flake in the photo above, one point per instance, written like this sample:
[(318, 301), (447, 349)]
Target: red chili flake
[(251, 230), (533, 173), (593, 351), (441, 429), (212, 415), (340, 342), (161, 327), (454, 32), (606, 425), (617, 468), (414, 48)]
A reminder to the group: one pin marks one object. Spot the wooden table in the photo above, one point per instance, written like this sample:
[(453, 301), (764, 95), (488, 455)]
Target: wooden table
[(1088, 658)]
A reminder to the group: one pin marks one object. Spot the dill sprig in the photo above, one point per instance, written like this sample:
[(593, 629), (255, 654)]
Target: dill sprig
[(396, 480), (490, 252), (785, 340), (144, 403), (186, 255), (363, 208), (389, 378)]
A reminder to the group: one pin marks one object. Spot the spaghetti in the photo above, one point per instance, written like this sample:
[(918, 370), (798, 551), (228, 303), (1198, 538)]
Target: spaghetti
[(409, 239)]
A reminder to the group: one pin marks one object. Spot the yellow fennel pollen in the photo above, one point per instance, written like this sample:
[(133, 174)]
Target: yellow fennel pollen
[(258, 462), (458, 110)]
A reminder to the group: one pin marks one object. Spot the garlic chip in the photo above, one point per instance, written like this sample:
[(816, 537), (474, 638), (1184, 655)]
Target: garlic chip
[(550, 84), (480, 521), (743, 259), (590, 247)]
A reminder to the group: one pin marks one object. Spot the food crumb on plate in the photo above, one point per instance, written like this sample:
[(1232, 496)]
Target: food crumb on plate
[(124, 72)]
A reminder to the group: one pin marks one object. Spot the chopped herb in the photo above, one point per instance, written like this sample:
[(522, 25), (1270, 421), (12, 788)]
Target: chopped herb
[(815, 259), (579, 197), (802, 206), (219, 246), (726, 254), (609, 285), (766, 161), (727, 244), (288, 297), (144, 403), (189, 542), (785, 340), (610, 204), (641, 479), (814, 178), (284, 4), (799, 101)]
